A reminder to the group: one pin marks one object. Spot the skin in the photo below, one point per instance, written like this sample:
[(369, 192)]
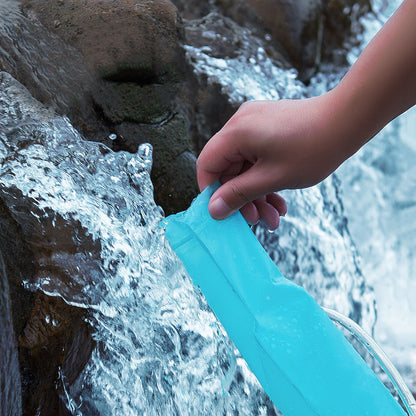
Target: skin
[(268, 146)]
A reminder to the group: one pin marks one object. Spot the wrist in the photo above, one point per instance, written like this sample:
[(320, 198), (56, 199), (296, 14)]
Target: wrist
[(353, 117)]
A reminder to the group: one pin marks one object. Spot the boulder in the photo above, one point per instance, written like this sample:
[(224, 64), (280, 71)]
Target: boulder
[(54, 72), (133, 74), (120, 39)]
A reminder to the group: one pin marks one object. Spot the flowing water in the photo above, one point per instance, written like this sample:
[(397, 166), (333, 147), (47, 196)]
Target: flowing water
[(159, 349)]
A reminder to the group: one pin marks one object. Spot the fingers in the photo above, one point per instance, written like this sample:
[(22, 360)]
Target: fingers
[(218, 158), (268, 213), (250, 213), (267, 209), (237, 192), (277, 202)]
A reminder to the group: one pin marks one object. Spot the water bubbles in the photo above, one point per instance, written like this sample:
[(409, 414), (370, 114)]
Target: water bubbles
[(250, 77), (112, 136), (261, 52), (145, 151), (209, 34)]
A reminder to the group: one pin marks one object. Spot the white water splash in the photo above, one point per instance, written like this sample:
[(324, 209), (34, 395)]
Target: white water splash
[(159, 349)]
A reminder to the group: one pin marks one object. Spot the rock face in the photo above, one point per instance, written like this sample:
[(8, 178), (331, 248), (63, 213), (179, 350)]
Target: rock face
[(295, 25), (120, 39), (117, 67)]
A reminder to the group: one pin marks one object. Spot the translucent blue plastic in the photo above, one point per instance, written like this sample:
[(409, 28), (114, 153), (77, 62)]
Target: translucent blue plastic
[(303, 362)]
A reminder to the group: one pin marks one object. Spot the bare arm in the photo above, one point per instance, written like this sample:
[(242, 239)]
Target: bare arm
[(382, 83), (268, 146)]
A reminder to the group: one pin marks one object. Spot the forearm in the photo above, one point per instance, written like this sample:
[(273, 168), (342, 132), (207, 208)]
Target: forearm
[(382, 83)]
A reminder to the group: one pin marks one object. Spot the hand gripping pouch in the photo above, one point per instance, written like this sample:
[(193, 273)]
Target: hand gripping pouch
[(303, 362)]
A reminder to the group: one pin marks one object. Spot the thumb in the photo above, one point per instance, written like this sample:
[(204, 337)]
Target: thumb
[(237, 192)]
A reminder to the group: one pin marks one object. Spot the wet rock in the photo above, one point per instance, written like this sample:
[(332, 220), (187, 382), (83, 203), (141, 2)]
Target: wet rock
[(127, 101), (174, 164), (305, 32), (51, 328), (54, 72), (212, 110), (296, 25), (18, 266), (120, 39), (341, 24), (195, 9), (10, 384), (40, 245), (133, 74), (219, 37), (57, 333), (183, 165)]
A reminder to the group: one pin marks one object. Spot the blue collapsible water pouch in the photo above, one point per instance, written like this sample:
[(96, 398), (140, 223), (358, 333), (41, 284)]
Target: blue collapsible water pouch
[(301, 359)]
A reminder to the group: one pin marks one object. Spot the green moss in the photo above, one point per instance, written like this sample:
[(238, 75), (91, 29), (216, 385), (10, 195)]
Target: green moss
[(128, 101)]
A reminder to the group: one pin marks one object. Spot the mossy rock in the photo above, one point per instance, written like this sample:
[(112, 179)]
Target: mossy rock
[(173, 172), (127, 101)]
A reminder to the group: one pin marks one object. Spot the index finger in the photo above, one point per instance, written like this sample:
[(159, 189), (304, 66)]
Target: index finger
[(217, 157)]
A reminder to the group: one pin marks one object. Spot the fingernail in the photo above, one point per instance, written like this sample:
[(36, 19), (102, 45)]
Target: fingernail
[(219, 209)]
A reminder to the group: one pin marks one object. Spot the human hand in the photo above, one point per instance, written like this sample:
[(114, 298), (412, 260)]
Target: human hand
[(268, 146), (265, 147)]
